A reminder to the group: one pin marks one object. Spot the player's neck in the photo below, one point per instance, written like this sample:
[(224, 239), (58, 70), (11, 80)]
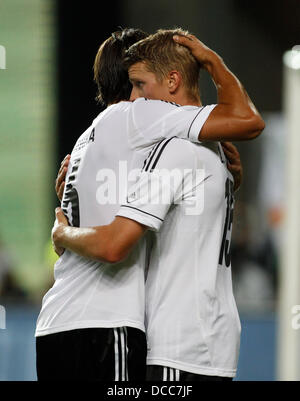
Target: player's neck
[(192, 102), (188, 100)]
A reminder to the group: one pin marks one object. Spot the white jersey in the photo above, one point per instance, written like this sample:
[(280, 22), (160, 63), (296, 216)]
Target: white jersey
[(192, 319), (88, 293)]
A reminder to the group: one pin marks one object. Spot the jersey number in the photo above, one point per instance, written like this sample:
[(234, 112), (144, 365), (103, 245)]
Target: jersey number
[(225, 255), (70, 203)]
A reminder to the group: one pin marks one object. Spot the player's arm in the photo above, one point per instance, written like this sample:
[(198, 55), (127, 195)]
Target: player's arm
[(60, 179), (110, 243), (234, 164), (113, 242), (235, 116)]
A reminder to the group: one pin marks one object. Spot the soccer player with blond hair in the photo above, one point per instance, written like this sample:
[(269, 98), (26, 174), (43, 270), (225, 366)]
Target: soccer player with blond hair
[(104, 259)]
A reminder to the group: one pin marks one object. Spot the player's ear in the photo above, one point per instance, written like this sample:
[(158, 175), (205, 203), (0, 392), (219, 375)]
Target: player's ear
[(174, 81)]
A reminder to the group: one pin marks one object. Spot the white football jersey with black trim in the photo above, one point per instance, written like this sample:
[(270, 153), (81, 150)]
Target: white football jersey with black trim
[(185, 195), (88, 293)]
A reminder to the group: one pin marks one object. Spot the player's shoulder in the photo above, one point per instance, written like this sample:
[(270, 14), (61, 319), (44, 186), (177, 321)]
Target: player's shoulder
[(175, 152), (186, 154), (112, 109), (183, 148), (145, 103), (145, 100), (119, 107), (109, 114)]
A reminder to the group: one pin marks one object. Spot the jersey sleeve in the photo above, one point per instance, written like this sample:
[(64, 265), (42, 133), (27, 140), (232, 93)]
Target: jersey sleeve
[(163, 182), (151, 121)]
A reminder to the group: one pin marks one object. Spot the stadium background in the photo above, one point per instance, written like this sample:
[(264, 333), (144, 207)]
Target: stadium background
[(47, 100)]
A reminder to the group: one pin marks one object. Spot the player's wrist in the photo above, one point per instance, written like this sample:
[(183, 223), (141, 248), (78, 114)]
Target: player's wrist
[(57, 234), (212, 61)]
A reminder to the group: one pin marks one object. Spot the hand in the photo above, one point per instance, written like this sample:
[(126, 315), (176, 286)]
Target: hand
[(233, 163), (60, 179), (199, 50), (59, 223)]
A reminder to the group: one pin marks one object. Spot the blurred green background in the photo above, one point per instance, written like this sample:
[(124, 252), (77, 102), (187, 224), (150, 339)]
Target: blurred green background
[(27, 137), (47, 99)]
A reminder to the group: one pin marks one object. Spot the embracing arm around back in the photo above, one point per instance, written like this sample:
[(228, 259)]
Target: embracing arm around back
[(111, 243)]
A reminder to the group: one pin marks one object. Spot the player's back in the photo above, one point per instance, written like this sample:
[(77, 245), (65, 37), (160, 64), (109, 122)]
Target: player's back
[(89, 293), (97, 169), (192, 320)]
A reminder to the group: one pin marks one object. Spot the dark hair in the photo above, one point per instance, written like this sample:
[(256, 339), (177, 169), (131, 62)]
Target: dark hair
[(110, 74)]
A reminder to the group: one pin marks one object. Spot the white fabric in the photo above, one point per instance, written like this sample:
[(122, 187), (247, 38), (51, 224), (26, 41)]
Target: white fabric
[(88, 293), (192, 319)]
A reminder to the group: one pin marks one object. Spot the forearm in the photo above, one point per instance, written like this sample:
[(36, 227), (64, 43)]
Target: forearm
[(231, 92), (88, 242), (111, 243), (235, 117)]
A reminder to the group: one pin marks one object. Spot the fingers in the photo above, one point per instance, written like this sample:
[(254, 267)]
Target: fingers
[(60, 217), (232, 158), (59, 182), (183, 38), (228, 145), (64, 163), (59, 214), (234, 164), (60, 190), (199, 50), (68, 156), (189, 41), (60, 177), (231, 153), (230, 148), (234, 168), (237, 176), (58, 251)]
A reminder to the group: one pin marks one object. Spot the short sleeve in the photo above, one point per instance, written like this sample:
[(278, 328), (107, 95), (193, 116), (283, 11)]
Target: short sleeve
[(161, 184), (144, 202), (198, 122), (150, 121)]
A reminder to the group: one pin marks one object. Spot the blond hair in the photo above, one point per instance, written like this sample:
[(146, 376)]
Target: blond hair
[(161, 54)]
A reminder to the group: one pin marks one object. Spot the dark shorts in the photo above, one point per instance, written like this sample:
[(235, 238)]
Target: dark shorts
[(162, 373), (96, 354)]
